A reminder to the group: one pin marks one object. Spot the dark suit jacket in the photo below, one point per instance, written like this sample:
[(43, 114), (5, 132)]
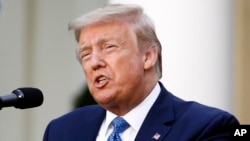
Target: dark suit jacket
[(172, 118)]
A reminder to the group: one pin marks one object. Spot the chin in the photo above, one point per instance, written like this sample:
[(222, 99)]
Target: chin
[(103, 99)]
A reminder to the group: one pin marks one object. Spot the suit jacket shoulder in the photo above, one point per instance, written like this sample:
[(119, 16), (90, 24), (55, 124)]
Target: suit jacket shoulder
[(78, 125), (172, 118)]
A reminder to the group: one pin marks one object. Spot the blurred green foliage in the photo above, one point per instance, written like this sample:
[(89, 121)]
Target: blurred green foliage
[(84, 98)]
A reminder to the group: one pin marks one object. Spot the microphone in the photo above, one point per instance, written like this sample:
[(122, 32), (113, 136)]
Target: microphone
[(22, 98)]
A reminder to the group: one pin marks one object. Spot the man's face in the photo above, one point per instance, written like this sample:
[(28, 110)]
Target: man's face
[(113, 64)]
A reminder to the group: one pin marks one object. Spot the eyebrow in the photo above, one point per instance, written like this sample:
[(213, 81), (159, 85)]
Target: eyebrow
[(99, 40), (102, 40)]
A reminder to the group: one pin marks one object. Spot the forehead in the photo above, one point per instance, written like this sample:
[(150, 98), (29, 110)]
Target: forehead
[(101, 32)]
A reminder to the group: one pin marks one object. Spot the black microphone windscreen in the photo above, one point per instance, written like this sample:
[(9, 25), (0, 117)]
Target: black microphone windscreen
[(28, 97)]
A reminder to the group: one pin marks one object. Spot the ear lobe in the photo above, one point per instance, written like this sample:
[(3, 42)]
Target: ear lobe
[(150, 58), (147, 64)]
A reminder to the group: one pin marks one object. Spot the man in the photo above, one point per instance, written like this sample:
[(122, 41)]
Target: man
[(121, 58)]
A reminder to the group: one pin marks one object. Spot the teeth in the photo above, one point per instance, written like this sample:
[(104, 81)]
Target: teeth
[(101, 78)]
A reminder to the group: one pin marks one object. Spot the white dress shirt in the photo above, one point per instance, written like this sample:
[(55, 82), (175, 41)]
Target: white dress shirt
[(135, 118)]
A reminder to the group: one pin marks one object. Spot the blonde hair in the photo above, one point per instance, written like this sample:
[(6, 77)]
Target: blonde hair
[(133, 15)]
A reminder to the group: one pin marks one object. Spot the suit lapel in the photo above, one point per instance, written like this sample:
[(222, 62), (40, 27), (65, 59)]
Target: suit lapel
[(159, 120)]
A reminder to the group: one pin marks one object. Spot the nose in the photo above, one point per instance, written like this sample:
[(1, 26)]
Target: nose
[(97, 60)]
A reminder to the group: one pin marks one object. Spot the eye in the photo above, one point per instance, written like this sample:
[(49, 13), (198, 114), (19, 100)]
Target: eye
[(84, 55), (109, 47)]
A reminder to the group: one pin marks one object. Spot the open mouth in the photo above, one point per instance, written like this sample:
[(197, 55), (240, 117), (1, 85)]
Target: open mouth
[(101, 81)]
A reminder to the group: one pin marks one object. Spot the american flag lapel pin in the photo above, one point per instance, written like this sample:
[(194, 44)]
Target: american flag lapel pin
[(156, 136)]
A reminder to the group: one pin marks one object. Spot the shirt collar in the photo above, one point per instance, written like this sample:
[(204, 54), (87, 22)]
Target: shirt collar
[(137, 115)]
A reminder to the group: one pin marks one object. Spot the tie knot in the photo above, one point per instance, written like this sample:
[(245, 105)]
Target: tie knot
[(119, 125)]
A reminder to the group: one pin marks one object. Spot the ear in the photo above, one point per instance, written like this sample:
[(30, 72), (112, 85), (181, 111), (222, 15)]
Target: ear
[(150, 57)]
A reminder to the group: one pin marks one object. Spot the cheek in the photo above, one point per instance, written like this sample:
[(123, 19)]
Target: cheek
[(87, 72), (129, 68)]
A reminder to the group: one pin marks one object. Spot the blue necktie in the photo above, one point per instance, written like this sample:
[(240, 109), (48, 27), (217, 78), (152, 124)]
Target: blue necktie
[(119, 126)]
